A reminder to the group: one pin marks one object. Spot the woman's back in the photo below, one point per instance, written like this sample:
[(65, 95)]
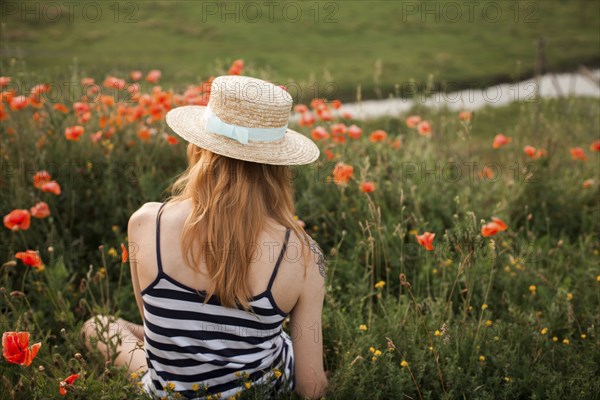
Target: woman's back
[(189, 343)]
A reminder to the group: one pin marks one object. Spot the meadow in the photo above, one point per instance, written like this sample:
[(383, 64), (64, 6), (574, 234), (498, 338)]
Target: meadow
[(329, 49), (463, 257)]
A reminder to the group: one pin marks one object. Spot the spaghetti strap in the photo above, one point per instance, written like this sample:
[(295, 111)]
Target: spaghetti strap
[(283, 248), (158, 258)]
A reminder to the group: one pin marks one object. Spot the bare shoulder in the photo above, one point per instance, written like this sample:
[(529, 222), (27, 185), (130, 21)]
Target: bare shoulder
[(315, 256), (141, 217)]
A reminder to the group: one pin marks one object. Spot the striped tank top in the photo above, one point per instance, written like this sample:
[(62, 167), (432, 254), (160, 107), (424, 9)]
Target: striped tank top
[(191, 345)]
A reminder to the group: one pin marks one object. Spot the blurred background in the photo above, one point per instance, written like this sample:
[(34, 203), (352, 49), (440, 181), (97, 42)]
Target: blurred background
[(330, 49)]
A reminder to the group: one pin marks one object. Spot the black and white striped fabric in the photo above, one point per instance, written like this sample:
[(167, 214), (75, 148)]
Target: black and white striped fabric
[(189, 343)]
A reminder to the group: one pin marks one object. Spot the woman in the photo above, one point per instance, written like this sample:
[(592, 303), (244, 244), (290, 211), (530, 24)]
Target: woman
[(221, 264)]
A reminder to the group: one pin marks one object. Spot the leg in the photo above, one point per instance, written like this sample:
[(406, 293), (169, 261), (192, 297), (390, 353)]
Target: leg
[(116, 336)]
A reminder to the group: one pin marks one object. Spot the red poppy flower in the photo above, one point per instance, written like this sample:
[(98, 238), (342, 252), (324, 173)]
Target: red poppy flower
[(68, 381), (307, 119), (354, 132), (51, 187), (465, 115), (424, 128), (153, 76), (501, 140), (367, 187), (577, 153), (426, 240), (4, 81), (378, 136), (16, 349), (412, 121), (171, 139), (60, 107), (595, 146), (319, 133), (124, 254), (18, 103), (492, 228), (40, 210), (30, 258), (17, 220), (237, 67), (300, 108), (40, 178), (530, 151), (329, 154), (342, 173), (336, 104), (74, 132), (136, 75)]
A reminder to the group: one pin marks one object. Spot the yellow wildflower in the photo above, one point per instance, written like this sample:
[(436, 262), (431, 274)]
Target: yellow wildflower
[(532, 288), (430, 348), (434, 271), (112, 252), (195, 387), (437, 333), (277, 373), (597, 278), (248, 385), (544, 331), (481, 358), (170, 386), (554, 339), (489, 322), (448, 262), (373, 358), (569, 296), (507, 379), (134, 375), (377, 353), (380, 285), (566, 341), (403, 363), (372, 349), (484, 306), (362, 327), (583, 336)]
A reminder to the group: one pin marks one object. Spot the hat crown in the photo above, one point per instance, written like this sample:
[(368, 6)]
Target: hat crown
[(249, 102)]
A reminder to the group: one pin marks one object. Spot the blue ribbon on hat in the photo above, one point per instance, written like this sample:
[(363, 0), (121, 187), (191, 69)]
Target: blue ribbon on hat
[(242, 134)]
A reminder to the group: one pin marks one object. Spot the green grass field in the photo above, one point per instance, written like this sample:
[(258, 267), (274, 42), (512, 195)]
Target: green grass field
[(374, 44), (512, 316)]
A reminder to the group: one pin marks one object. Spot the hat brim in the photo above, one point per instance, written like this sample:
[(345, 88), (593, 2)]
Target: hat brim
[(293, 149)]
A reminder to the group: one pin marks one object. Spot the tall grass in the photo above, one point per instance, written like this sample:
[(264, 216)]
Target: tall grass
[(461, 321)]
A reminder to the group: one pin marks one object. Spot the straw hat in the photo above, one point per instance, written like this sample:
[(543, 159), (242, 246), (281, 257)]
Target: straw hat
[(246, 118)]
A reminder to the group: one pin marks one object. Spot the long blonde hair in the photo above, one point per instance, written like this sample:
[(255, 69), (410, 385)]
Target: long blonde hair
[(231, 199)]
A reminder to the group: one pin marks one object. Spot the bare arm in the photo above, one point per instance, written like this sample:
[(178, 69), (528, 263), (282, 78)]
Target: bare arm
[(134, 226), (307, 331)]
